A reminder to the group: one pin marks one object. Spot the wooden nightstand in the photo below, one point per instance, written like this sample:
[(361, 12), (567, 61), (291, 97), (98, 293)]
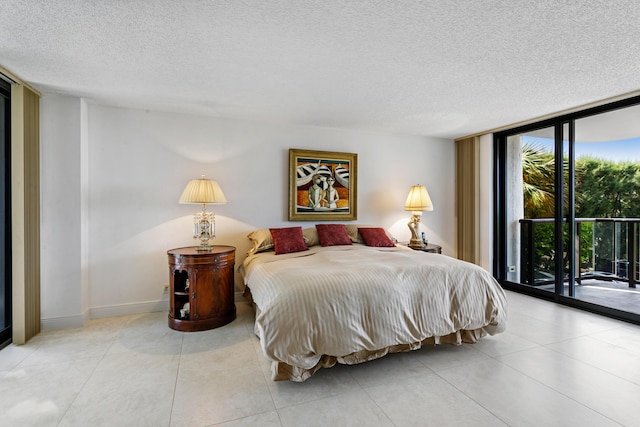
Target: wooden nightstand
[(201, 288), (430, 247), (436, 249)]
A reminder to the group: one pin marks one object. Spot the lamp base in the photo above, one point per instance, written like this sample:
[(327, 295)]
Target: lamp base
[(415, 242), (204, 248), (204, 229)]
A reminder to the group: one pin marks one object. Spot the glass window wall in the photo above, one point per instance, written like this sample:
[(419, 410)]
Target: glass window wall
[(568, 209)]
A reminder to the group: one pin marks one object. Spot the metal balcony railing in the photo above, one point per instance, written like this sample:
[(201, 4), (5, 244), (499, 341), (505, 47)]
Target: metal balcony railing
[(605, 249)]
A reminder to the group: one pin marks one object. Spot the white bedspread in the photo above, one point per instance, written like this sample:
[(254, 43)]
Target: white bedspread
[(342, 300)]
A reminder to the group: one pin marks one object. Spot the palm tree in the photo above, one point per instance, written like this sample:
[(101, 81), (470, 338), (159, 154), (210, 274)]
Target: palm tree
[(538, 182), (538, 177)]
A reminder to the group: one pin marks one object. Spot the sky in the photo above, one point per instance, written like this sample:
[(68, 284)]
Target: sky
[(621, 150)]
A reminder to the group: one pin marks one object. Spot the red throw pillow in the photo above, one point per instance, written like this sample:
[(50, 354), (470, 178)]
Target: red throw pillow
[(375, 237), (287, 240), (333, 234)]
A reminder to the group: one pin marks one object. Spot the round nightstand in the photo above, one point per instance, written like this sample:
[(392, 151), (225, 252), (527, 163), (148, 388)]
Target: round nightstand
[(201, 288)]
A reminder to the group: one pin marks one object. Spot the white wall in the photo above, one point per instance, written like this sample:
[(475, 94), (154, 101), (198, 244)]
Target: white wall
[(64, 288), (139, 163)]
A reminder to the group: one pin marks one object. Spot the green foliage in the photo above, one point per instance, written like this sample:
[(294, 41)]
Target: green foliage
[(538, 182), (608, 189), (544, 247), (603, 189)]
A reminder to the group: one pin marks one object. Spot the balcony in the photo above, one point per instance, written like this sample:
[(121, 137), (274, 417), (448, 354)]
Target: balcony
[(606, 257)]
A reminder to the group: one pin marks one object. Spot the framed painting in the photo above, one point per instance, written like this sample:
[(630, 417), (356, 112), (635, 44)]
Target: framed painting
[(323, 185)]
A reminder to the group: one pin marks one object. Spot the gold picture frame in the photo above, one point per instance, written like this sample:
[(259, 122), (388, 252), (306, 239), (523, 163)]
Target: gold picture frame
[(323, 186)]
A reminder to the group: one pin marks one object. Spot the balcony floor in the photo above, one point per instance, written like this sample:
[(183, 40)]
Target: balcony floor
[(608, 293)]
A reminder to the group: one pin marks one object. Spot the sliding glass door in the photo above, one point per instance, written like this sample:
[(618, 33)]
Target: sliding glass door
[(568, 209), (530, 208), (608, 191), (5, 213)]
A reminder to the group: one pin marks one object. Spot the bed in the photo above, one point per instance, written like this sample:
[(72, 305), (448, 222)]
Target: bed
[(353, 302)]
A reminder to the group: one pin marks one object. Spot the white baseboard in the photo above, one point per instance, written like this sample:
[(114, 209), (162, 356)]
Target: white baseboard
[(66, 322), (80, 320), (127, 309)]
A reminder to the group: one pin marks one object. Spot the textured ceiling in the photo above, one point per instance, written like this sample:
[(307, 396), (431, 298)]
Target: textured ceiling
[(436, 68)]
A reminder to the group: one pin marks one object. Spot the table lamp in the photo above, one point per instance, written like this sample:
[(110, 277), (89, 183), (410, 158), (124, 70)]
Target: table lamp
[(417, 201), (203, 191)]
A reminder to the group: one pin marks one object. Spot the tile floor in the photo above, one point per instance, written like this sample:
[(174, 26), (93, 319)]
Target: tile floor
[(555, 366)]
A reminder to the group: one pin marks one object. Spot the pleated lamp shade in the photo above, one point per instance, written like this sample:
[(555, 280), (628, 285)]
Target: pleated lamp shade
[(418, 199), (203, 191)]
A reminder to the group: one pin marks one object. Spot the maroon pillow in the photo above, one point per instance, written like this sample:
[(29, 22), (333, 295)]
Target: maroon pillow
[(287, 240), (375, 237), (333, 234)]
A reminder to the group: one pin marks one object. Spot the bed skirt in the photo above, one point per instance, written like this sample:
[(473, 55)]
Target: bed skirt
[(281, 371)]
